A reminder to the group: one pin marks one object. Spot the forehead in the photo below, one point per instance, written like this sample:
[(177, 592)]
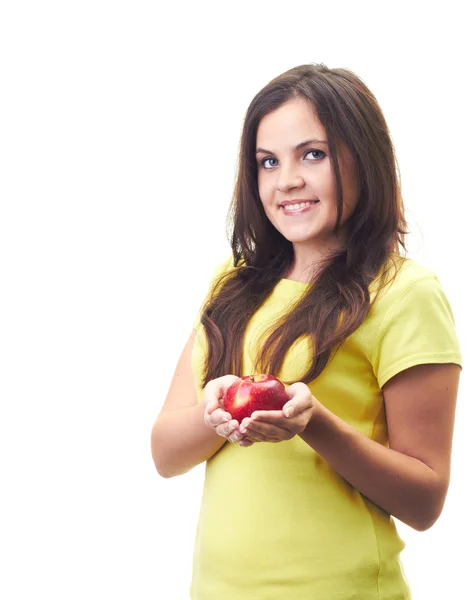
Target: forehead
[(288, 124)]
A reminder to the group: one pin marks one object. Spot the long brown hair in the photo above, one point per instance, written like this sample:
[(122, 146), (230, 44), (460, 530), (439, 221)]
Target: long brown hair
[(338, 298)]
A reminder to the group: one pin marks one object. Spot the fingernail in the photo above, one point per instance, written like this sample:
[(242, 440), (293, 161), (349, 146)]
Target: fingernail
[(289, 411), (243, 429)]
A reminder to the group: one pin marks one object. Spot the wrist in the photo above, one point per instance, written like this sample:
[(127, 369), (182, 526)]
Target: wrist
[(322, 426), (317, 413)]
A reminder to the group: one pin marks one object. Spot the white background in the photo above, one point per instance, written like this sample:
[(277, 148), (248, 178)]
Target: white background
[(119, 135)]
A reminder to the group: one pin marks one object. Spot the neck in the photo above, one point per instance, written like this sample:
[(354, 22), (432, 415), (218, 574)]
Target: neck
[(307, 261)]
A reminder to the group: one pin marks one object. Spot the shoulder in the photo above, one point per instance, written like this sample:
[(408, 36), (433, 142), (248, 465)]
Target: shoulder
[(407, 283), (223, 267), (404, 275), (412, 323), (214, 283), (412, 302)]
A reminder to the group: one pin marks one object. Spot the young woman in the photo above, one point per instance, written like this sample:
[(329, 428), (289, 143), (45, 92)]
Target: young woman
[(298, 503)]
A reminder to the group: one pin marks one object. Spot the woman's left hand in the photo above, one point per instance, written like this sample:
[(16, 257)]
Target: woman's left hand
[(280, 425)]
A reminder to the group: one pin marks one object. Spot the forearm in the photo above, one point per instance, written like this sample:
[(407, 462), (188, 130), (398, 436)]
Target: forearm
[(401, 485), (180, 440)]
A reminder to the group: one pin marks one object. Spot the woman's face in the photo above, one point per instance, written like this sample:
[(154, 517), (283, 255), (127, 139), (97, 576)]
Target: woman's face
[(294, 167)]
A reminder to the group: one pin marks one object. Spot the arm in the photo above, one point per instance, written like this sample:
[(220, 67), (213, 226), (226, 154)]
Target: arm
[(180, 440), (410, 479)]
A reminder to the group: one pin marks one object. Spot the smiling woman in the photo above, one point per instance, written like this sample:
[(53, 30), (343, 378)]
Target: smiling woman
[(299, 180), (317, 292)]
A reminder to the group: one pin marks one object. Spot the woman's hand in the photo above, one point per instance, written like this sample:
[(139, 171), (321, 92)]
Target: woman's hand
[(215, 416), (281, 425)]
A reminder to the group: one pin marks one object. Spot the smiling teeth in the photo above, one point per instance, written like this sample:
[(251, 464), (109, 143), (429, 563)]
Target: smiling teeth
[(297, 206)]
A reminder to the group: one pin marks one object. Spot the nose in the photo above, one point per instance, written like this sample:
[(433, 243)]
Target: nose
[(289, 178)]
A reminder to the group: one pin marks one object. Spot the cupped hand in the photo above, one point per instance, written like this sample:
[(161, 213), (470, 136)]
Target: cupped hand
[(281, 425), (215, 416)]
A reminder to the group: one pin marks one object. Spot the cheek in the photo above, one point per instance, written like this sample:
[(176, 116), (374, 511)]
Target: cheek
[(266, 197), (263, 187), (323, 184)]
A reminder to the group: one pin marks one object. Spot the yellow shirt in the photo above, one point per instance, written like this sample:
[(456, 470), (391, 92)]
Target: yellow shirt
[(276, 521)]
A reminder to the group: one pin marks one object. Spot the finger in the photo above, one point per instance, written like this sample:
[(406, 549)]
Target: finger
[(216, 388), (257, 436), (221, 384), (296, 388), (246, 443), (273, 417), (270, 416), (290, 410), (300, 397), (266, 431), (211, 414), (293, 408), (235, 437), (211, 405), (218, 416), (211, 397), (229, 429)]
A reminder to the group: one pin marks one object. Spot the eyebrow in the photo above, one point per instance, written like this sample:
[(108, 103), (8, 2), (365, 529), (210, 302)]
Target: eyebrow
[(298, 147)]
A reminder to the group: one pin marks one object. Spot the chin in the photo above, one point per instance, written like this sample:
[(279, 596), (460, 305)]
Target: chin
[(298, 238)]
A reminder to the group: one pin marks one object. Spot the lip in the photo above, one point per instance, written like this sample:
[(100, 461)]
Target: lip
[(300, 211), (297, 201)]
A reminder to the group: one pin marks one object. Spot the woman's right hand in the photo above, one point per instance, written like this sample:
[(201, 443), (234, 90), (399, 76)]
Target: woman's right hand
[(215, 416)]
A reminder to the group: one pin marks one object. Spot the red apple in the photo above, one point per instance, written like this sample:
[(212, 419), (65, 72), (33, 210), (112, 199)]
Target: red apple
[(254, 392)]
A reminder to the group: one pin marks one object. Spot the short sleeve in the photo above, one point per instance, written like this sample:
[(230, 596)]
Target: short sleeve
[(219, 270), (418, 328)]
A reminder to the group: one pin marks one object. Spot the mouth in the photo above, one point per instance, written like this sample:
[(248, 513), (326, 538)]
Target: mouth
[(297, 208)]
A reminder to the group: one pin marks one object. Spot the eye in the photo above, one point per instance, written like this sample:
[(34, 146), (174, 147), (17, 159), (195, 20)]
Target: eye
[(321, 154), (318, 155), (263, 162)]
